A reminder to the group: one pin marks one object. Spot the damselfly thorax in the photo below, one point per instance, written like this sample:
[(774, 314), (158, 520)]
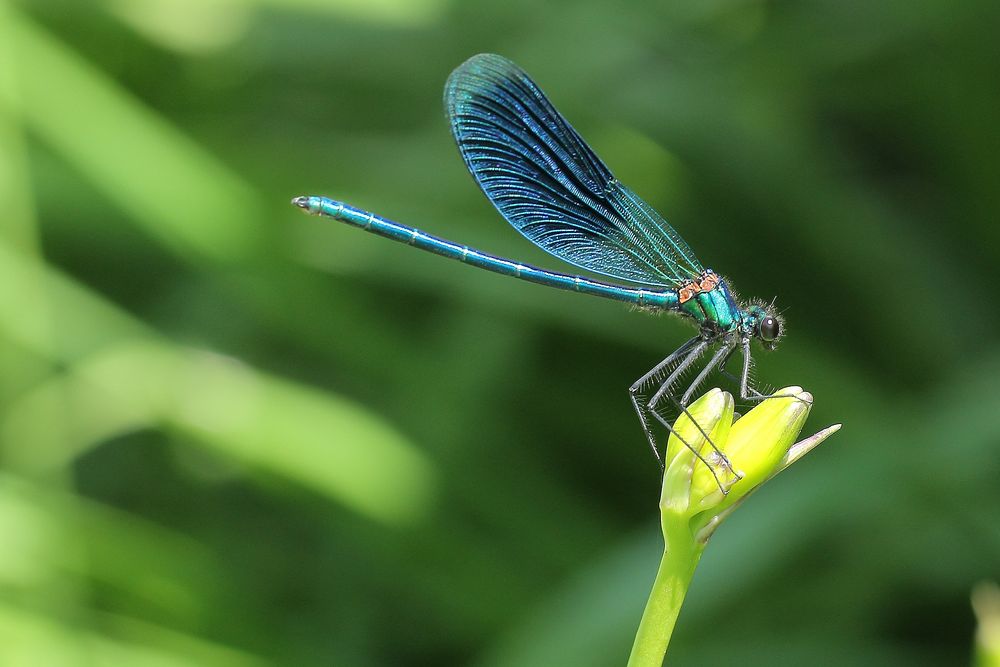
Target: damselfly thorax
[(709, 302)]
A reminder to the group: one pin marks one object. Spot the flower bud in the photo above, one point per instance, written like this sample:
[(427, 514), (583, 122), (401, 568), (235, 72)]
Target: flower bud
[(705, 479)]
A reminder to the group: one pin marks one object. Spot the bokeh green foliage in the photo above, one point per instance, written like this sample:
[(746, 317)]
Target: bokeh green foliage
[(235, 435)]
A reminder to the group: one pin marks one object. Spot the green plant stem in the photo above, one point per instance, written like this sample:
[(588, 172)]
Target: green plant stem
[(681, 554)]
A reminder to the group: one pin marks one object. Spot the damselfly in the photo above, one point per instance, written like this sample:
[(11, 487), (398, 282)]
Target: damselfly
[(548, 184)]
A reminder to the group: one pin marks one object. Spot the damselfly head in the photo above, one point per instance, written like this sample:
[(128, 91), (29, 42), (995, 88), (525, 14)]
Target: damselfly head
[(765, 324)]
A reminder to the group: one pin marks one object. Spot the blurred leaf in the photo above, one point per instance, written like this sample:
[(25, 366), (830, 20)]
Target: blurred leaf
[(319, 440), (54, 537), (32, 639), (162, 179), (312, 437)]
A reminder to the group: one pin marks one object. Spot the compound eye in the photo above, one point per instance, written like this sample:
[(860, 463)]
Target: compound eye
[(769, 329)]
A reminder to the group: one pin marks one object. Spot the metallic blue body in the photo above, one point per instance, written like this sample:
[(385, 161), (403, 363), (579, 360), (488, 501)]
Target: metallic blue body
[(716, 310), (661, 299)]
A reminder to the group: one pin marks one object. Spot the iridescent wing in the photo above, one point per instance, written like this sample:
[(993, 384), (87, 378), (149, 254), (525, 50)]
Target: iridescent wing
[(546, 181)]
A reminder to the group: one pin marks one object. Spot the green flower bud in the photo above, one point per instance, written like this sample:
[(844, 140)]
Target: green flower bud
[(711, 415), (701, 483)]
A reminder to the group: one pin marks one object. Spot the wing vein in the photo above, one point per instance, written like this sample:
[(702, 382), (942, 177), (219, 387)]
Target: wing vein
[(550, 186)]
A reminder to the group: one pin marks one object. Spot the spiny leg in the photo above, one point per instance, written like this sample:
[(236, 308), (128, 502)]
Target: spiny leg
[(682, 404), (633, 392), (745, 375), (748, 393), (696, 350), (681, 367), (745, 390), (724, 351), (664, 390)]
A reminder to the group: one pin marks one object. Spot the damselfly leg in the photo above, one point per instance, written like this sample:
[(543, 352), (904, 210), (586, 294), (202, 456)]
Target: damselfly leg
[(747, 392), (717, 358), (667, 391), (684, 357), (638, 401)]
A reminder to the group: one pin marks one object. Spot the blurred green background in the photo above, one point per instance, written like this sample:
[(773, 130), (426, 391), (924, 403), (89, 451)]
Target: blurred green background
[(234, 435)]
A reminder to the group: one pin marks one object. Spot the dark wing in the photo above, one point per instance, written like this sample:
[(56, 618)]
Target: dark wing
[(550, 185)]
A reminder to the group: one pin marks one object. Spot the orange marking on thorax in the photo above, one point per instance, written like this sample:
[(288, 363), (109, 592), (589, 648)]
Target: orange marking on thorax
[(705, 283), (709, 281)]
